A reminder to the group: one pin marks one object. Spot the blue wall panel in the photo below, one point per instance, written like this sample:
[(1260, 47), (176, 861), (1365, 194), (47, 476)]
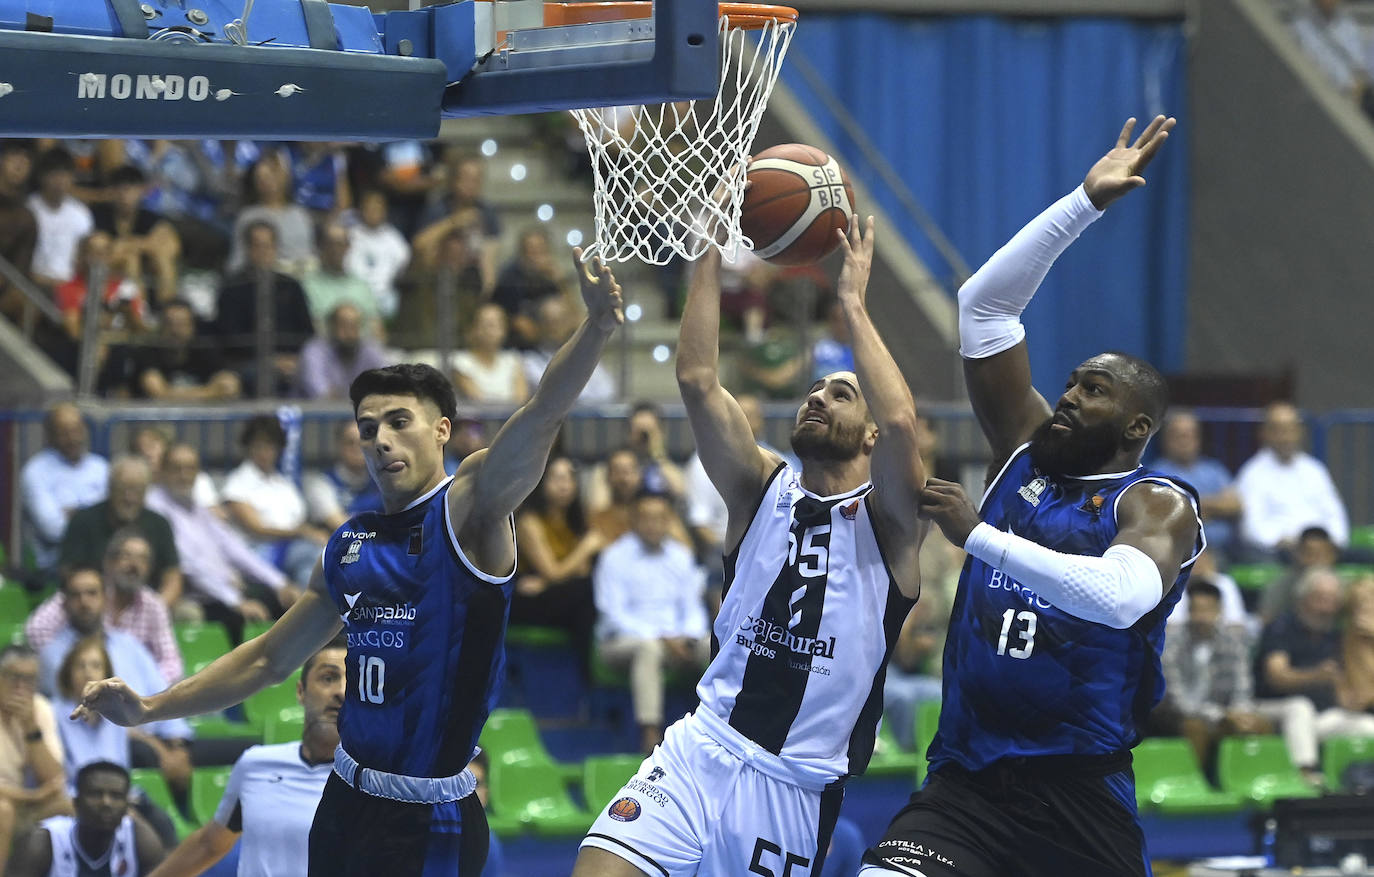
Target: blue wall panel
[(988, 120)]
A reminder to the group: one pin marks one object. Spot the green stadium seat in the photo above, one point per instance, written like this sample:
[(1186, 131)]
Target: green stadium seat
[(200, 644), (11, 632), (504, 826), (511, 736), (216, 727), (1362, 537), (207, 788), (927, 723), (1254, 576), (1167, 779), (890, 759), (285, 725), (14, 602), (154, 785), (270, 700), (537, 637), (1258, 768), (255, 629), (603, 775), (1338, 753), (537, 798)]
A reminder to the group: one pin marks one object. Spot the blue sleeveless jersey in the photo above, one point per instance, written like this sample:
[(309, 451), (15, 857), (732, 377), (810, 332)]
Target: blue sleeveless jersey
[(1021, 677), (426, 639)]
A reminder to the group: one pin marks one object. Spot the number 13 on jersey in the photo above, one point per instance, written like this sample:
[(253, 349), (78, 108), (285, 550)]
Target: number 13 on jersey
[(1021, 626)]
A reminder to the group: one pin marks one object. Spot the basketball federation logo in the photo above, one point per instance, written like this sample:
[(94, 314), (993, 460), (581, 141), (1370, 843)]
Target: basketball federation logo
[(1031, 492), (625, 810), (351, 556)]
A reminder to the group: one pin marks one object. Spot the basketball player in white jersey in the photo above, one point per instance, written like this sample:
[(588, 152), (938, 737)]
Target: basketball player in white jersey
[(102, 840), (822, 570)]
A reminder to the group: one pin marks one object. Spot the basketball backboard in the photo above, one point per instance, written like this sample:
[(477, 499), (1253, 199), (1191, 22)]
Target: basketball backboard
[(308, 69)]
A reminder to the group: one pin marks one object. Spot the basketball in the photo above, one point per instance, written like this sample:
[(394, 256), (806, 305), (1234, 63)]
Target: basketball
[(798, 197)]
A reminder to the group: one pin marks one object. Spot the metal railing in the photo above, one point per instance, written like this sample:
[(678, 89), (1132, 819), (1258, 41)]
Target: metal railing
[(1344, 440)]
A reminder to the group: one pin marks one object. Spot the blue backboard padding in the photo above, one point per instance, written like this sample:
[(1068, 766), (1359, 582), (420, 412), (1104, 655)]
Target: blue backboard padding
[(212, 91), (682, 63)]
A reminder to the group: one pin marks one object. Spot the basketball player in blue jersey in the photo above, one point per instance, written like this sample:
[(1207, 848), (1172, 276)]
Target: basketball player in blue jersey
[(422, 591), (1076, 557), (822, 571)]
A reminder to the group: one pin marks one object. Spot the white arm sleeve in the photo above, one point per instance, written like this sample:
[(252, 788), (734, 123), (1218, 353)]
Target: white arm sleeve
[(991, 301), (1116, 589)]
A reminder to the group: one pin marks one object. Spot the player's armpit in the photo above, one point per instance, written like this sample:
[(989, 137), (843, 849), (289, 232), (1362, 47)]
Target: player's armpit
[(1161, 522)]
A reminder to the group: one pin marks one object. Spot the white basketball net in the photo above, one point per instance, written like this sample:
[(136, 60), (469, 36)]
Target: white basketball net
[(658, 166)]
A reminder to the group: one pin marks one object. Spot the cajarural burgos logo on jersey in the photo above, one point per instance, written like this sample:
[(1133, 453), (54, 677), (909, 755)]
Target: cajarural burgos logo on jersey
[(768, 636)]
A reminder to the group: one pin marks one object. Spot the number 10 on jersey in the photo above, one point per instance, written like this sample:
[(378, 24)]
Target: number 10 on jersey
[(1024, 632), (371, 679)]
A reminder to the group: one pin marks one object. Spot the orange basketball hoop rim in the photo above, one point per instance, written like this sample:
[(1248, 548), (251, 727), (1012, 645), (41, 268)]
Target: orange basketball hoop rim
[(746, 16)]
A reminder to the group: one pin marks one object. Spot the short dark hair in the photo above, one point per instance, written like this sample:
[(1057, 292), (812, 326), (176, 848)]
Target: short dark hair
[(1315, 533), (406, 379), (338, 642), (96, 767), (265, 426), (70, 572), (644, 405), (127, 175), (246, 235), (51, 160), (1202, 588), (1148, 386)]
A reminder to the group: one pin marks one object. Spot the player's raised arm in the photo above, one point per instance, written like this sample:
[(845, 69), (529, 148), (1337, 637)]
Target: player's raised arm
[(265, 660), (733, 461), (508, 471), (898, 474), (991, 337)]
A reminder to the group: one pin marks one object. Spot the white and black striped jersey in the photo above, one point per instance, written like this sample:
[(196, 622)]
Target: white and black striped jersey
[(809, 617), (70, 860)]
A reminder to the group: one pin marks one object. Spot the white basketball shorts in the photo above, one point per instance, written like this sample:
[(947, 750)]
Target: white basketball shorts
[(695, 807)]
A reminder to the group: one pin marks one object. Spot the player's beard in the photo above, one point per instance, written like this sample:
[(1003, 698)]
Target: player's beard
[(834, 445), (1084, 450)]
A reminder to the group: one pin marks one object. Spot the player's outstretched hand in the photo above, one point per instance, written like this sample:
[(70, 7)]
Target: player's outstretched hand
[(600, 292), (1119, 171), (113, 699), (945, 503), (857, 244)]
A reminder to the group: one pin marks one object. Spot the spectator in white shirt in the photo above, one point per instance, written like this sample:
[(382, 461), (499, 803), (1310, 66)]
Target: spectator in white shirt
[(557, 321), (267, 507), (62, 220), (270, 800), (60, 479), (1284, 490), (652, 611), (377, 252), (487, 371), (227, 580)]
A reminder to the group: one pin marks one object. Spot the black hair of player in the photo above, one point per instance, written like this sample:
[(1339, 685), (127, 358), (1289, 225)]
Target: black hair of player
[(1148, 387), (96, 767), (424, 382)]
